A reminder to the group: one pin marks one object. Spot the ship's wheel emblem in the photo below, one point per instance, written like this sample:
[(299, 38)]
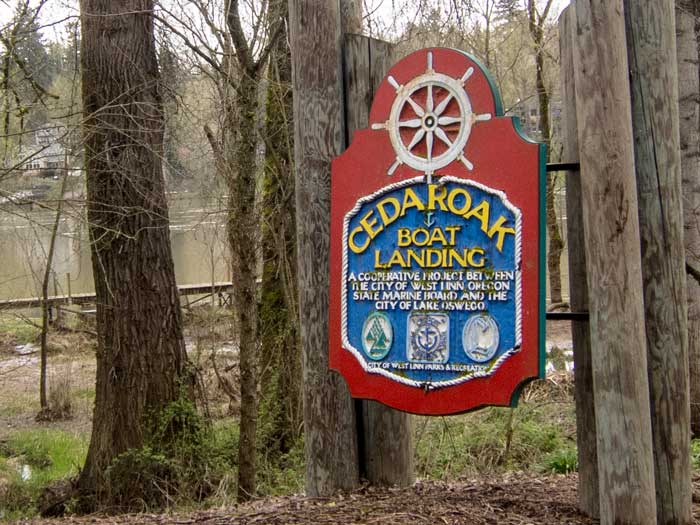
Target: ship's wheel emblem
[(430, 121)]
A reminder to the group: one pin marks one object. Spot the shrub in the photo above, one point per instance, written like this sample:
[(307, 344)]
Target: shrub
[(562, 461)]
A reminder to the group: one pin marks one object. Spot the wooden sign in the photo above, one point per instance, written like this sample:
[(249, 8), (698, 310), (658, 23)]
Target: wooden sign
[(437, 274)]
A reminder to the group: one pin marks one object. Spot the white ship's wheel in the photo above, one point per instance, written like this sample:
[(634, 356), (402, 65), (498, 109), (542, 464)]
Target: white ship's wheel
[(430, 121)]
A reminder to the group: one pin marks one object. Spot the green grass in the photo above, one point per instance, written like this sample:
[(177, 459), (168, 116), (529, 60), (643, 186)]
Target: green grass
[(21, 331), (50, 455), (533, 437), (695, 454)]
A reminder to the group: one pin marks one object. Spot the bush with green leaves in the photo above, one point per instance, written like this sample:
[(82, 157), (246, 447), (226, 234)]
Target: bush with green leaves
[(183, 459)]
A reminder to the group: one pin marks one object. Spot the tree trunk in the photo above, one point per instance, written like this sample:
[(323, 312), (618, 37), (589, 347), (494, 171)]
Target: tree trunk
[(556, 245), (329, 418), (243, 235), (44, 411), (141, 360), (611, 228), (650, 41), (588, 496), (689, 105), (280, 404)]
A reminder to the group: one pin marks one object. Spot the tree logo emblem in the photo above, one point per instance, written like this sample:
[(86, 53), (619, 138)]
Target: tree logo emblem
[(377, 336)]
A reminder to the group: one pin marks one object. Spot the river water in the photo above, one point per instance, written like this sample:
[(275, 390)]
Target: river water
[(197, 235)]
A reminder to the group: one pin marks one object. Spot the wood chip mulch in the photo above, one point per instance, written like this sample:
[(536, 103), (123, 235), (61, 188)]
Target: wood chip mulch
[(511, 500)]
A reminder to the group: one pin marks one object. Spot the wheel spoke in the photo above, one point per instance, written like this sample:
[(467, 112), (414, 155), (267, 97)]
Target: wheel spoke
[(446, 121), (419, 110), (443, 105), (429, 143), (429, 101), (443, 136), (416, 139), (413, 123)]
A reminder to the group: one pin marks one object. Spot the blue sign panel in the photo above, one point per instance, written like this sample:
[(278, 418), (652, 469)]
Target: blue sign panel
[(431, 281)]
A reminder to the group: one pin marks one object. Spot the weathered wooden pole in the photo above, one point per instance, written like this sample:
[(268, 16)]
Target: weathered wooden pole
[(651, 40), (689, 109), (611, 228), (351, 16), (329, 417), (588, 497), (385, 434)]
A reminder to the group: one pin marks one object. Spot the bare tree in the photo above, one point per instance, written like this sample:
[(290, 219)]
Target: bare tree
[(537, 19)]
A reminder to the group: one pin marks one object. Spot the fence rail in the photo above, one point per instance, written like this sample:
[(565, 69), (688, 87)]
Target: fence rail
[(83, 298)]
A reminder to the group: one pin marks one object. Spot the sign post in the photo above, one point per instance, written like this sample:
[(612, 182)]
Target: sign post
[(437, 237)]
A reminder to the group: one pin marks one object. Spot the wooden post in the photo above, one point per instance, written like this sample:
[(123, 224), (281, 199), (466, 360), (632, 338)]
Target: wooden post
[(651, 49), (351, 16), (611, 228), (588, 498), (689, 124), (329, 417), (385, 434)]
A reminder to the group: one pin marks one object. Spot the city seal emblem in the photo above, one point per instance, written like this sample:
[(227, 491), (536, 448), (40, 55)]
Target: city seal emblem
[(480, 338), (428, 338)]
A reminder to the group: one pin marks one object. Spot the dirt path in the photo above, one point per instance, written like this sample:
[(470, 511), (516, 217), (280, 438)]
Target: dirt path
[(504, 501)]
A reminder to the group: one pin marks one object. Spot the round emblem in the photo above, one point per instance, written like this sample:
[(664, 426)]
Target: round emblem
[(480, 338), (428, 338), (377, 336), (430, 120)]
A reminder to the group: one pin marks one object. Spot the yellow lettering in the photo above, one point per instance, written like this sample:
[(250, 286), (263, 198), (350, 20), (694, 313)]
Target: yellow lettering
[(498, 228), (474, 263), (455, 256), (397, 258), (481, 212), (434, 258), (436, 195), (437, 236), (351, 241), (388, 219), (411, 200), (452, 230), (423, 233), (368, 224), (377, 263), (404, 237), (412, 256), (452, 197)]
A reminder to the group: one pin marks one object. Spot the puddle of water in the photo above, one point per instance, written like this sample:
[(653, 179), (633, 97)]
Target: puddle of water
[(25, 349), (25, 472), (7, 365)]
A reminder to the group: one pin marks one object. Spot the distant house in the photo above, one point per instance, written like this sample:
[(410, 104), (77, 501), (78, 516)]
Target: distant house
[(46, 153)]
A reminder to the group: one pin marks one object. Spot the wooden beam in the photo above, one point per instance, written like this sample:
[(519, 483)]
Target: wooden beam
[(329, 418), (651, 49), (387, 450), (611, 228), (588, 498)]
